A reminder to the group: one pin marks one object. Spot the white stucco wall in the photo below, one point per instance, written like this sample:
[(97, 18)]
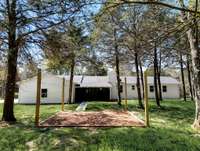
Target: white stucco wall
[(53, 84), (172, 92), (27, 91), (130, 93)]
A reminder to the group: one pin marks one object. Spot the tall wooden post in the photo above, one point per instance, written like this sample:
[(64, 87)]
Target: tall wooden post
[(126, 105), (146, 100), (63, 94), (38, 96)]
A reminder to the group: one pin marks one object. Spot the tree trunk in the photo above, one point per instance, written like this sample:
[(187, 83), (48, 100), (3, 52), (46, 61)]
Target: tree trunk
[(155, 76), (195, 56), (4, 84), (195, 52), (159, 86), (189, 78), (8, 113), (192, 77), (138, 82), (142, 78), (158, 74), (71, 80), (182, 76), (118, 77), (117, 67)]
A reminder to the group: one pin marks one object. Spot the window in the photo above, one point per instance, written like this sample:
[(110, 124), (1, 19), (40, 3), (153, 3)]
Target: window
[(133, 87), (164, 88), (121, 88), (151, 88), (44, 93)]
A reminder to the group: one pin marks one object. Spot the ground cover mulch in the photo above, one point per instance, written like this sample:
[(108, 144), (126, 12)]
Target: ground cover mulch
[(106, 118)]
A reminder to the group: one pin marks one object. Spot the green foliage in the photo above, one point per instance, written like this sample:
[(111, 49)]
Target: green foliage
[(192, 4), (62, 47), (170, 130)]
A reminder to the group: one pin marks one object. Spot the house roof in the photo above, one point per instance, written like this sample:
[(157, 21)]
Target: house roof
[(95, 81), (150, 80), (103, 81), (77, 79), (91, 81), (164, 80)]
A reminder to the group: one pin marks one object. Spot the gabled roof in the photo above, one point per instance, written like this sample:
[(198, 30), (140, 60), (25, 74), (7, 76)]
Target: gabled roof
[(103, 81), (164, 80), (91, 81), (150, 80), (77, 78), (95, 81)]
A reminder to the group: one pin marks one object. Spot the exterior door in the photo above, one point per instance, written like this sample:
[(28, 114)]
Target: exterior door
[(92, 94)]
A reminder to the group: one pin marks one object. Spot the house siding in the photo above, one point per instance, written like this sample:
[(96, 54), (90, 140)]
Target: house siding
[(27, 90), (172, 92), (53, 84)]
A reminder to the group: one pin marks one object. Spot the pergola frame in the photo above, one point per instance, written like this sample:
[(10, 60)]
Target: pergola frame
[(38, 98)]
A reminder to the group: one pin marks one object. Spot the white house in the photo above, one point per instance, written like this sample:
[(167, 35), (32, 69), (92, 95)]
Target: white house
[(90, 88)]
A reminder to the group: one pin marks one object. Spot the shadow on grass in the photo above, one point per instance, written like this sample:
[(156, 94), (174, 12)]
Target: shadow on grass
[(173, 111), (24, 137), (170, 110)]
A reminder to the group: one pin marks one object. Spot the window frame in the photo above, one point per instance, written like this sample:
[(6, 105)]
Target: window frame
[(44, 94), (164, 89), (151, 88), (133, 87)]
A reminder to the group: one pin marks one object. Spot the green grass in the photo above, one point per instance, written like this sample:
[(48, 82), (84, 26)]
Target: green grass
[(170, 131)]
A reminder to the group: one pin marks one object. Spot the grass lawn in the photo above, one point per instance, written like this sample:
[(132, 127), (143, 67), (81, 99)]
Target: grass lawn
[(170, 131)]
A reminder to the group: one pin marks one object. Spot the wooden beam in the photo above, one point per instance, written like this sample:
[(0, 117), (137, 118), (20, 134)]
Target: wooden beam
[(63, 94), (126, 104), (146, 101), (38, 97)]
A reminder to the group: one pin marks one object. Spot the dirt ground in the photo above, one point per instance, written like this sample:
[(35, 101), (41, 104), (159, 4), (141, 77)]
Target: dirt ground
[(106, 118)]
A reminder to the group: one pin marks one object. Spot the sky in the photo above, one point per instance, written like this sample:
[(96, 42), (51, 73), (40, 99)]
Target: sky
[(89, 9)]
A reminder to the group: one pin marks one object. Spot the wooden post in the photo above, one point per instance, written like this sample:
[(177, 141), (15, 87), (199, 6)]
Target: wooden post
[(63, 94), (126, 104), (38, 96), (146, 100)]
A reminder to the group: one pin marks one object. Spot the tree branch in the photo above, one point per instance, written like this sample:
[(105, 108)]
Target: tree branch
[(154, 3)]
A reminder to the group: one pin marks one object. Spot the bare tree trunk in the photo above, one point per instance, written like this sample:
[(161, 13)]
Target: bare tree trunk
[(195, 55), (118, 77), (189, 78), (8, 113), (138, 82), (193, 87), (159, 86), (155, 76), (71, 80), (117, 68), (4, 84), (158, 74), (142, 77), (182, 76)]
